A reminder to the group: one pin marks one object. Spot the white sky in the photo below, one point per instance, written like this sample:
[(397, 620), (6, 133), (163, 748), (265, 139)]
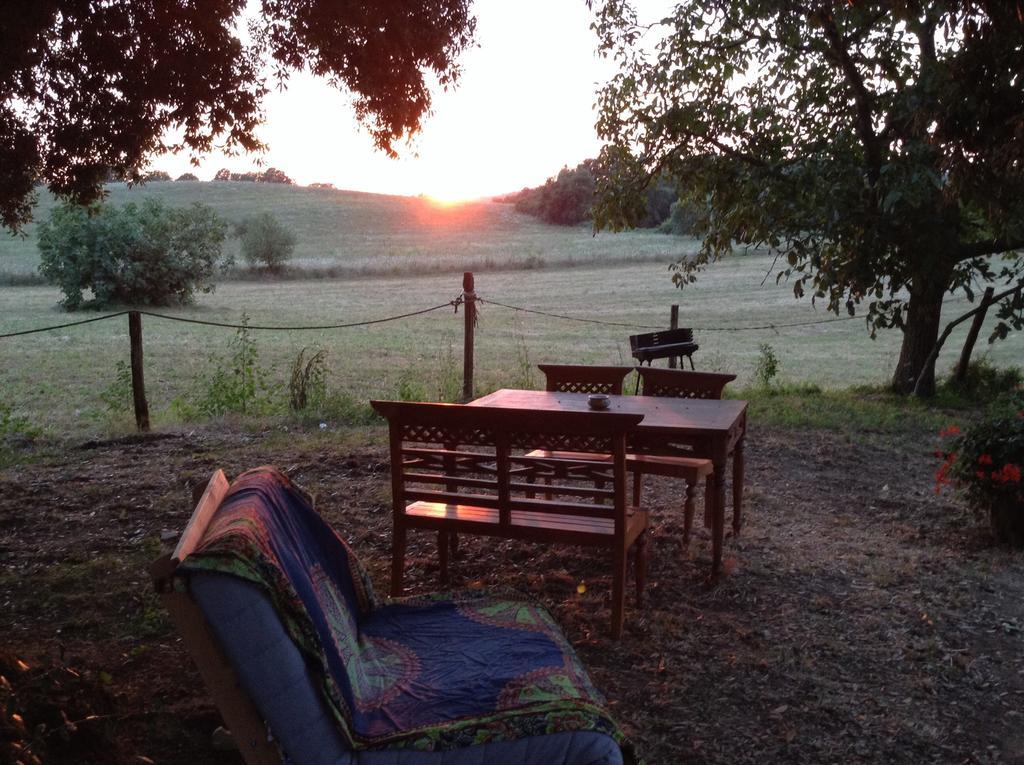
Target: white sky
[(522, 110)]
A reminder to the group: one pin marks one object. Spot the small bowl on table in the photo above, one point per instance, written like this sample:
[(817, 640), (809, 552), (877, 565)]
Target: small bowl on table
[(599, 401)]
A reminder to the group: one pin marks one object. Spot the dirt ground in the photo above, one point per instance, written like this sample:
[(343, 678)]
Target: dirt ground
[(862, 619)]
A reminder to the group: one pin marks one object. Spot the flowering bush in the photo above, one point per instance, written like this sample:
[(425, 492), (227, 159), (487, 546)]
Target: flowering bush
[(985, 461)]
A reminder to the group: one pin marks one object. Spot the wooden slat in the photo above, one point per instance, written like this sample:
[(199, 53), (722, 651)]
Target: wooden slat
[(572, 491), (196, 528), (688, 468), (561, 508), (540, 527), (487, 516), (413, 495), (546, 455), (440, 454), (450, 480)]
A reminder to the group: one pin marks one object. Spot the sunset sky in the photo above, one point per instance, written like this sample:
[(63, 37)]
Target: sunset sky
[(523, 109)]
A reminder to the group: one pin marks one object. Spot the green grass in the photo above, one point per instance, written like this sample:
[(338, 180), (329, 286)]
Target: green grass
[(860, 411), (56, 381)]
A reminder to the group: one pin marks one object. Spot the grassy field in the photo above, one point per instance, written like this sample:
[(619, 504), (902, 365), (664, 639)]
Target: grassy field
[(347, 233), (400, 254), (56, 379)]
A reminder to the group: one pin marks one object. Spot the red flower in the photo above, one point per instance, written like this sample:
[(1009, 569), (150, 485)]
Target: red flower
[(952, 430), (985, 459), (1011, 472), (979, 474)]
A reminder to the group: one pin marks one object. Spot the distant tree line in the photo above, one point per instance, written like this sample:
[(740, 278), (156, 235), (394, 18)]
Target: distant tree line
[(270, 175), (567, 200)]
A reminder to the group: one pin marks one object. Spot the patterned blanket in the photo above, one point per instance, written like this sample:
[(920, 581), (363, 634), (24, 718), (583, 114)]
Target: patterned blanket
[(432, 673)]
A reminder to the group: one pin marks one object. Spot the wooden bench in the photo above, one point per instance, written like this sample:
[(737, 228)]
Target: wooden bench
[(678, 383), (469, 470), (583, 378), (663, 344)]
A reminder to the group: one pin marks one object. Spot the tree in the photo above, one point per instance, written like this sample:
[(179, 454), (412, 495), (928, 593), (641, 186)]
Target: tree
[(187, 177), (266, 242), (876, 147), (156, 176), (222, 175), (146, 254), (90, 87), (273, 175)]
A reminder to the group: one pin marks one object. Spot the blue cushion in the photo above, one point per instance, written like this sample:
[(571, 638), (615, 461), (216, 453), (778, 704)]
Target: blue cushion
[(274, 674)]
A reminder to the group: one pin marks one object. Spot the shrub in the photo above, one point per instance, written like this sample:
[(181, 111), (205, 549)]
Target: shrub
[(984, 463), (307, 385), (680, 221), (242, 386), (984, 381), (13, 425), (767, 366), (146, 254), (266, 242), (118, 397)]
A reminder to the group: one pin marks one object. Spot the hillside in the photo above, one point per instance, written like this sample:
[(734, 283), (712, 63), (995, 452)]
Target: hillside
[(347, 233)]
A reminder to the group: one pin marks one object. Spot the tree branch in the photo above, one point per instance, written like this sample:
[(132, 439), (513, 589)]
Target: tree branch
[(988, 247), (951, 326), (861, 96)]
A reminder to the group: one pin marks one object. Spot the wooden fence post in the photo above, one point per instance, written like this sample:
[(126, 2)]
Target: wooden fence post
[(960, 373), (469, 298), (138, 383), (673, 323)]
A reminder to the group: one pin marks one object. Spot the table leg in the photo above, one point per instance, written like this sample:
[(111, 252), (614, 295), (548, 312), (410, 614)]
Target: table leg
[(737, 487), (718, 520)]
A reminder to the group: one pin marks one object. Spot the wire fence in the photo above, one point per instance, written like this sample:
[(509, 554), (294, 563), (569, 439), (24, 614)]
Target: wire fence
[(454, 303), (468, 300)]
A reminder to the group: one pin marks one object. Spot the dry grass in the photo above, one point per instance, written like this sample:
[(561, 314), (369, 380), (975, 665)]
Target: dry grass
[(863, 619)]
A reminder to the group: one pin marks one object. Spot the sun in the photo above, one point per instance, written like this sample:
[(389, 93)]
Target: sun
[(448, 200)]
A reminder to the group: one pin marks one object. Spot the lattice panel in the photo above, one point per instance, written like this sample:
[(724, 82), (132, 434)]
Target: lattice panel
[(561, 442), (674, 391), (433, 434), (581, 386)]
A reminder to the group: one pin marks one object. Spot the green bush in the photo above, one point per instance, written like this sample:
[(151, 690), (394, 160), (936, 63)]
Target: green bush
[(146, 254), (984, 462), (681, 220), (13, 425), (266, 242), (767, 366), (118, 397), (985, 381), (307, 386), (239, 388)]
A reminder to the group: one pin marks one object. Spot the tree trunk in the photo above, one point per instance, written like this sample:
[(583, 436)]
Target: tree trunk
[(924, 314)]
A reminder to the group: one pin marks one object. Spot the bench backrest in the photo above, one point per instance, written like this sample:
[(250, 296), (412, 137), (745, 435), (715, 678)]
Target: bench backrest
[(582, 378), (480, 456), (673, 383)]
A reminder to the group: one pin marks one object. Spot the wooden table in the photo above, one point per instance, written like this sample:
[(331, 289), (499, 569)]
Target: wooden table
[(709, 428)]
